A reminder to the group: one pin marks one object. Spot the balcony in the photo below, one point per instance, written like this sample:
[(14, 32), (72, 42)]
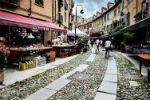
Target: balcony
[(10, 3), (60, 18)]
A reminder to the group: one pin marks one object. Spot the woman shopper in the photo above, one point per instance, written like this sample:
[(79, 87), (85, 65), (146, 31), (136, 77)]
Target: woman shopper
[(107, 47), (97, 45)]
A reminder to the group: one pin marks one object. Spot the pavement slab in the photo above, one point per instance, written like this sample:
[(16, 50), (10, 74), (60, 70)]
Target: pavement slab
[(110, 78), (58, 84), (111, 63), (42, 94), (108, 87), (112, 68), (104, 96), (111, 72), (133, 83), (81, 68), (91, 58)]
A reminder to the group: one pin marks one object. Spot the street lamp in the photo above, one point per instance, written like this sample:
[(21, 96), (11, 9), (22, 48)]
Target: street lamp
[(76, 19)]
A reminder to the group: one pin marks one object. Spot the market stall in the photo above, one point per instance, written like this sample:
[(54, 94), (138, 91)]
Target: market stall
[(65, 50), (79, 34), (27, 40)]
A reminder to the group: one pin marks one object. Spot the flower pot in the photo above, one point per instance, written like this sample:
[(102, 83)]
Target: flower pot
[(2, 76)]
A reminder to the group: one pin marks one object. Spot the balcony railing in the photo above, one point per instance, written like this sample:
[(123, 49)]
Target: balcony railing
[(11, 3)]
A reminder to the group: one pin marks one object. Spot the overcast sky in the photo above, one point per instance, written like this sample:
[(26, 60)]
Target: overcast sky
[(90, 7)]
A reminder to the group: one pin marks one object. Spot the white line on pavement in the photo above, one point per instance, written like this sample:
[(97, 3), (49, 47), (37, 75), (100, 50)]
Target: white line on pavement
[(91, 58)]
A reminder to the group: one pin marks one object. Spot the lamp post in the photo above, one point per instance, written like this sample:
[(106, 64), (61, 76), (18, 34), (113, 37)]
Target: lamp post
[(76, 19)]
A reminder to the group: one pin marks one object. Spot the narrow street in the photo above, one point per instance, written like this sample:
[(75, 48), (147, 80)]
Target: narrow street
[(86, 77), (74, 49)]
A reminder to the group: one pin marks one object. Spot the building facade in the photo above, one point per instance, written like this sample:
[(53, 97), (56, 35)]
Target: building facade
[(102, 23), (86, 26), (136, 10), (55, 11), (40, 9), (62, 13), (118, 15)]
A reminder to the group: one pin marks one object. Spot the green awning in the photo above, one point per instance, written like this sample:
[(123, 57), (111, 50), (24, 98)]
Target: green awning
[(120, 32), (136, 26)]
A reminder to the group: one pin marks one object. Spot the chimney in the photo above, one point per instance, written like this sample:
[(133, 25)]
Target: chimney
[(103, 9), (110, 4)]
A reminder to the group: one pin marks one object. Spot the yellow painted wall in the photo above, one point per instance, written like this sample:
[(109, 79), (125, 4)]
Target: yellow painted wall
[(44, 12), (134, 7)]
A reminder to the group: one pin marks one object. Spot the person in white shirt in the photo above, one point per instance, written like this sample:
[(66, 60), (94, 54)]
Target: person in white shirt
[(101, 42), (89, 43), (97, 44), (107, 47)]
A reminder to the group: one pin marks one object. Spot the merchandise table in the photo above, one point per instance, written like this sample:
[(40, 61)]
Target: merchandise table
[(144, 59), (16, 52)]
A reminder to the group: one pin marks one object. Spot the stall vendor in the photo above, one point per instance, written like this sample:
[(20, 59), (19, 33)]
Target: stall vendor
[(49, 42), (3, 48)]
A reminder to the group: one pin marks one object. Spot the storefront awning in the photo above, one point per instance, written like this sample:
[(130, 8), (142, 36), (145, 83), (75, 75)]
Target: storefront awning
[(136, 26), (119, 32), (26, 22)]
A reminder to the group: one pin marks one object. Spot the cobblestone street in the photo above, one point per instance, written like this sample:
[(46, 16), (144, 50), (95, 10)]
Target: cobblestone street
[(74, 49), (83, 78)]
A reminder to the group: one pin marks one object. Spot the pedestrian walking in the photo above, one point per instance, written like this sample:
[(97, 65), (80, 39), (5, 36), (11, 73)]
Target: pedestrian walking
[(92, 42), (89, 43), (101, 43), (97, 45), (107, 47)]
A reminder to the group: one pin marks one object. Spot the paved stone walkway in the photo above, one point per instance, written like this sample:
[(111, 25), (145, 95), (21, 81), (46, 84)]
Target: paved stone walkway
[(51, 89), (11, 76), (108, 87)]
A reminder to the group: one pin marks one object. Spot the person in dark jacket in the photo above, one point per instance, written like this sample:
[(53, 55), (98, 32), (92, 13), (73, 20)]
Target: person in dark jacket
[(92, 42), (80, 46)]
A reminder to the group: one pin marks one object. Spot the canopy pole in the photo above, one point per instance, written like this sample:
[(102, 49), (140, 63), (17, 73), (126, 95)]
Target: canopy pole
[(51, 36), (75, 24), (9, 33)]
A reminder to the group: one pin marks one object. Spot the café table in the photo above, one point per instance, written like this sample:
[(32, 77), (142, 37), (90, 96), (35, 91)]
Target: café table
[(144, 59)]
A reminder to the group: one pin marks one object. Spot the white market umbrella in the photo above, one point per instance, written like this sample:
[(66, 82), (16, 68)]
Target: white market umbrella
[(78, 33)]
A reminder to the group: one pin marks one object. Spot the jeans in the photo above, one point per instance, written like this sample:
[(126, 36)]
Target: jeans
[(107, 51)]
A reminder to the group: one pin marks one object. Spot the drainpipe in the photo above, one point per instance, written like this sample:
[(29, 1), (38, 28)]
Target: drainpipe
[(136, 6), (30, 8)]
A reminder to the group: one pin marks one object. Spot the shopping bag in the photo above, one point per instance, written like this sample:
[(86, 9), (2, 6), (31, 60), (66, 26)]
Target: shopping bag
[(93, 50)]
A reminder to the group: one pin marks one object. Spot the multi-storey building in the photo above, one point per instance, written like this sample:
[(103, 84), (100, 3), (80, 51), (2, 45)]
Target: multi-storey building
[(79, 21), (62, 13), (112, 18), (86, 25), (120, 15), (135, 10), (102, 23)]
